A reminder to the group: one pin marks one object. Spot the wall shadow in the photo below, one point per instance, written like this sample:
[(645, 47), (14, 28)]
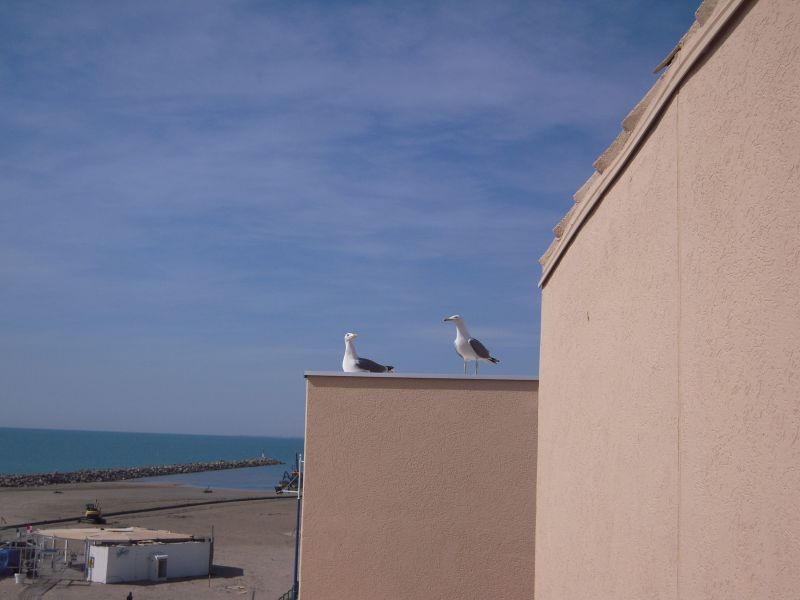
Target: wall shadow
[(225, 572)]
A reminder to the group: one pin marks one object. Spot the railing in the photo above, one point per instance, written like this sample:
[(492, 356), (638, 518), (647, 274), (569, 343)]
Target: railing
[(300, 468), (288, 595)]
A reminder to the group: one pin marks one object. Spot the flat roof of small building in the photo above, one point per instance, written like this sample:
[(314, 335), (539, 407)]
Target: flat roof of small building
[(419, 376), (117, 535)]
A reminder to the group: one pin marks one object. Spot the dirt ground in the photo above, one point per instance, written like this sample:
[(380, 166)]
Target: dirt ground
[(253, 548)]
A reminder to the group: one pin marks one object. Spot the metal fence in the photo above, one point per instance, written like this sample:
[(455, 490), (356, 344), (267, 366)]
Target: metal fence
[(44, 559)]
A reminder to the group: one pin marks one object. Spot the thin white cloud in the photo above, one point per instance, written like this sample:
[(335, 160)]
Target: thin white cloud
[(236, 171)]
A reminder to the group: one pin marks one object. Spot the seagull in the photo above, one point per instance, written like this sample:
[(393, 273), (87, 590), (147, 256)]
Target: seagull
[(352, 364), (468, 347)]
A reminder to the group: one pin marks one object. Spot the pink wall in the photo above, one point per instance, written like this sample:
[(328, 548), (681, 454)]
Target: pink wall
[(739, 330), (669, 452), (419, 487), (607, 500)]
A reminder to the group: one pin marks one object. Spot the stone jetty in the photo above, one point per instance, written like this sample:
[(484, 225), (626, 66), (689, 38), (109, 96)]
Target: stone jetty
[(121, 474)]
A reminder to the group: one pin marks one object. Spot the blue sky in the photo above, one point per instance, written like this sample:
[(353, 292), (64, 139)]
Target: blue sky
[(200, 198)]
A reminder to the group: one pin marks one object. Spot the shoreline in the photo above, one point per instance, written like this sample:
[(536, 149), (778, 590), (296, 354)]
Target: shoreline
[(106, 475), (254, 537)]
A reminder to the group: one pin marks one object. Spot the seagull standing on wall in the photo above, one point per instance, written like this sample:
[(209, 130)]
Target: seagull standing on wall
[(468, 347), (351, 363)]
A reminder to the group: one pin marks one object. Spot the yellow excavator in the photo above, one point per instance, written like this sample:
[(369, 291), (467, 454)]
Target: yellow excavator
[(93, 514)]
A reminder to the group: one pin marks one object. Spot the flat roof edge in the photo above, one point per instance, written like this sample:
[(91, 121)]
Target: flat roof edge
[(308, 374), (135, 536)]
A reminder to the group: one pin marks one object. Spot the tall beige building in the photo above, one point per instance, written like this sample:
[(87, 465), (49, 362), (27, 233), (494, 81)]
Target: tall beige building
[(669, 403)]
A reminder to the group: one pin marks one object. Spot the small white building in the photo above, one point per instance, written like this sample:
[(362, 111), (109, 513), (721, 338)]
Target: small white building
[(117, 555)]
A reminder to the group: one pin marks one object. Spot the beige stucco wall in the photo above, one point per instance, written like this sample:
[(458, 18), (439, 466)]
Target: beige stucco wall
[(607, 502), (739, 330), (669, 444), (418, 487)]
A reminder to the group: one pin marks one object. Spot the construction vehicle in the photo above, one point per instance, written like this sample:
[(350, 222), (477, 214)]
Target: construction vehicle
[(93, 514), (290, 482)]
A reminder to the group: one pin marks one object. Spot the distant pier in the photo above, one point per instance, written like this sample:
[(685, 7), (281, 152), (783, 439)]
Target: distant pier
[(125, 473)]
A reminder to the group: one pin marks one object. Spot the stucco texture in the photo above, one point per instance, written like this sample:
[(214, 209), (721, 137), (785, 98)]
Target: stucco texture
[(419, 488), (739, 331), (607, 497), (669, 422)]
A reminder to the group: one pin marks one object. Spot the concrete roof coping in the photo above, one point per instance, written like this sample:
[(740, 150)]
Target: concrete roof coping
[(308, 374)]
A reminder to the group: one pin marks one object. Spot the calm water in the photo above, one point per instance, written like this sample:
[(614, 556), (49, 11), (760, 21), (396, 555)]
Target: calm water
[(47, 450)]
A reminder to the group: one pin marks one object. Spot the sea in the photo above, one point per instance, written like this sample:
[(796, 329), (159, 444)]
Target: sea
[(47, 450)]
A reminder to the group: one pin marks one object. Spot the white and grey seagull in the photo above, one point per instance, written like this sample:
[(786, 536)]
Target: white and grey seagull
[(468, 347), (351, 363)]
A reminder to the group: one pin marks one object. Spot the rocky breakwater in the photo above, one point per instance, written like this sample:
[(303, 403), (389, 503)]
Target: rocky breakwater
[(121, 474)]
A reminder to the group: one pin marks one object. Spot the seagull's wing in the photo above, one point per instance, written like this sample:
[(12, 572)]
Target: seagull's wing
[(370, 365), (479, 348)]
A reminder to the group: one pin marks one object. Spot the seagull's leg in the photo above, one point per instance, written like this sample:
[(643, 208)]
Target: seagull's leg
[(465, 367), (476, 366)]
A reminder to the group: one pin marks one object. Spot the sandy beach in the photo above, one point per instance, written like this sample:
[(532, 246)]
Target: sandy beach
[(254, 539)]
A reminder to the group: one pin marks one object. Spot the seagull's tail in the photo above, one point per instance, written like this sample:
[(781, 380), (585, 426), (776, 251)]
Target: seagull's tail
[(493, 360), (389, 369)]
